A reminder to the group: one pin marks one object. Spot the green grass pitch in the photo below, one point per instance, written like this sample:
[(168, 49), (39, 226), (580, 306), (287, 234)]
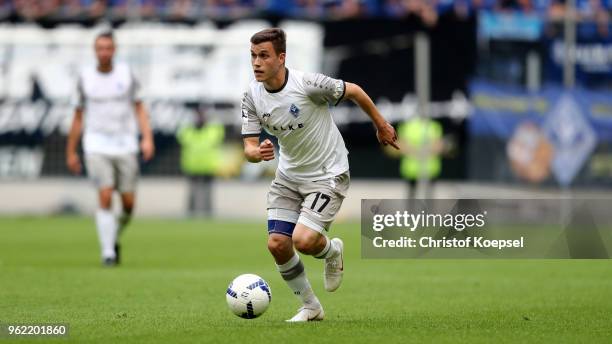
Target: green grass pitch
[(171, 289)]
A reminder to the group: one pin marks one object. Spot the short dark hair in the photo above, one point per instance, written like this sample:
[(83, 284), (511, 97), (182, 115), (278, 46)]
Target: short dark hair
[(275, 35), (105, 34)]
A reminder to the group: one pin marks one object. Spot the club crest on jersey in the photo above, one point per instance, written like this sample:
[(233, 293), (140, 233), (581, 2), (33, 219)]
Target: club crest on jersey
[(295, 111)]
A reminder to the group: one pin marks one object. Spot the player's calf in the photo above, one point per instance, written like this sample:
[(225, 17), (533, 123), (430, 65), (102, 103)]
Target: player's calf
[(127, 202), (294, 275)]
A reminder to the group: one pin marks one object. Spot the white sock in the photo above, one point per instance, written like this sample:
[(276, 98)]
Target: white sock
[(329, 251), (107, 232), (293, 273)]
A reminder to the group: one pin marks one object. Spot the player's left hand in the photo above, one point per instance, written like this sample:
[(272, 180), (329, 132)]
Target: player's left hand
[(147, 147), (386, 135)]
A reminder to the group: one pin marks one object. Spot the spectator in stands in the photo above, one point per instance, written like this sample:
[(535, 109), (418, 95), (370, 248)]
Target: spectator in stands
[(394, 8), (233, 8), (72, 9), (27, 10), (523, 6), (6, 8), (420, 8), (181, 9), (595, 11), (134, 8), (49, 8), (428, 11), (309, 9), (96, 8), (344, 9), (150, 8)]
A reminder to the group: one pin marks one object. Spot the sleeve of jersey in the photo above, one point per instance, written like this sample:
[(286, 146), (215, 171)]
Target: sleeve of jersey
[(323, 89), (78, 101), (136, 91), (250, 122)]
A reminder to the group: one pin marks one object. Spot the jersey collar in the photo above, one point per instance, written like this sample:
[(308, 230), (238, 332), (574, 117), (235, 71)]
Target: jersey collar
[(284, 83)]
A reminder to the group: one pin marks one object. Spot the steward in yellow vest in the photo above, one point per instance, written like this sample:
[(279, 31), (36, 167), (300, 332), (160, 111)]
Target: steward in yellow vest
[(201, 150)]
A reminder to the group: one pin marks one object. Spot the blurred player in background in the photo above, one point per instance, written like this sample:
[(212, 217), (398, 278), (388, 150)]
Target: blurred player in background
[(109, 111), (313, 172)]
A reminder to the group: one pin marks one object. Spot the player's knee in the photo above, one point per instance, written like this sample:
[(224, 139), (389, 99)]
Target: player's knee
[(305, 243), (278, 245), (106, 205), (106, 200)]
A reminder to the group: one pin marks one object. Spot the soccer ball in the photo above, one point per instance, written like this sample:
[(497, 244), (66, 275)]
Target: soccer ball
[(248, 296)]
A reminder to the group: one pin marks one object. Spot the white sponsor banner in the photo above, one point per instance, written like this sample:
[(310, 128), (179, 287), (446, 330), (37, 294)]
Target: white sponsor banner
[(173, 62)]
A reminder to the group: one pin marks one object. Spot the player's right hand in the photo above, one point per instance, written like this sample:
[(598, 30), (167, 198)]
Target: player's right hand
[(266, 149), (74, 163), (387, 136)]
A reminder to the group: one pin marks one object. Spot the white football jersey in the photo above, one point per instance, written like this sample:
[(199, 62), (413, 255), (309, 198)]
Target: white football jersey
[(107, 100), (311, 147)]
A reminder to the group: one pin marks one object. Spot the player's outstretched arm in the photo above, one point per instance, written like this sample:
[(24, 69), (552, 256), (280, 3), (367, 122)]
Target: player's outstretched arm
[(384, 131), (72, 157), (255, 151), (147, 146)]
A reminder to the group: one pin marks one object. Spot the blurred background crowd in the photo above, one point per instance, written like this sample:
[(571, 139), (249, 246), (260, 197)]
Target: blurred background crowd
[(171, 10)]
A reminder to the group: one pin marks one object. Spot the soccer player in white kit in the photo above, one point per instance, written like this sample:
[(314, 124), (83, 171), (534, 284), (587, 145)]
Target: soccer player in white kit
[(110, 112), (313, 172)]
